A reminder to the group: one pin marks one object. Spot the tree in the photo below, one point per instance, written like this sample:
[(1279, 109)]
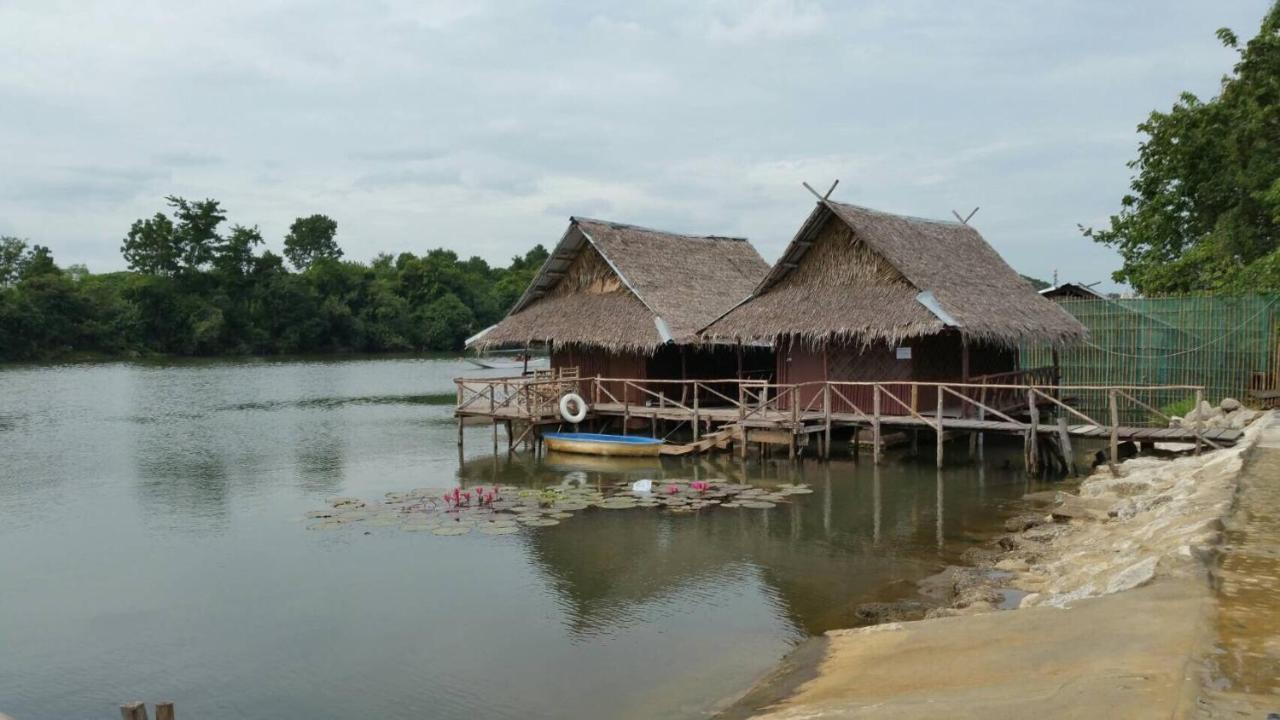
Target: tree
[(195, 234), (1204, 208), (13, 251), (234, 255), (149, 247), (311, 239)]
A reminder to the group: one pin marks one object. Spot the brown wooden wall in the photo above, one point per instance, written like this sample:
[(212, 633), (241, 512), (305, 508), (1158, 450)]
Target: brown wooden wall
[(594, 362), (933, 358)]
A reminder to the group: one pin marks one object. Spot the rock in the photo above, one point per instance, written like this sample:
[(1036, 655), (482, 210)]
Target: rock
[(1008, 542), (1207, 411), (1175, 422), (1022, 522), (1136, 575), (980, 556), (875, 613), (1044, 497), (1075, 508), (1229, 404), (1013, 565)]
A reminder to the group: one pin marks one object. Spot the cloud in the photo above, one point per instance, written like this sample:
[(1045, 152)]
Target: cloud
[(481, 126)]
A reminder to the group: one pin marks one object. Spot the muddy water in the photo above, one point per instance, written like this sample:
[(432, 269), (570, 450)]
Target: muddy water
[(153, 546)]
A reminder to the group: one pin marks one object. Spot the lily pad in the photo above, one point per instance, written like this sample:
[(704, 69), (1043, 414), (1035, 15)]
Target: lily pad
[(499, 530), (542, 522), (451, 530), (757, 504)]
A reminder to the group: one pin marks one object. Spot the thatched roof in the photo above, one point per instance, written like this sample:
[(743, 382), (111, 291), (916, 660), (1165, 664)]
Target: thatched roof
[(628, 288), (857, 275)]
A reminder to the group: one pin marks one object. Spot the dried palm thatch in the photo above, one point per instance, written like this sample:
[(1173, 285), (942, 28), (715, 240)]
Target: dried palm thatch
[(854, 275), (628, 289)]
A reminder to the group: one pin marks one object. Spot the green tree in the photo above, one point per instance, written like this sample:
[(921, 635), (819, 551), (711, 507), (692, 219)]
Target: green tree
[(311, 239), (1204, 208), (149, 247), (13, 253)]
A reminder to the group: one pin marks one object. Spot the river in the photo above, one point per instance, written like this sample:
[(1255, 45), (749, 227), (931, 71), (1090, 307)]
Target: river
[(153, 546)]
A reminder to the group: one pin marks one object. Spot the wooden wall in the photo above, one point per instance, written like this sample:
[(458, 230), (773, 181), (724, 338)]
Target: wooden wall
[(594, 362), (933, 358)]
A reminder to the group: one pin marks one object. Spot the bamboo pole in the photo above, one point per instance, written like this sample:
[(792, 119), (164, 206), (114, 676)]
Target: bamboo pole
[(695, 412), (875, 424), (1199, 422), (826, 413), (939, 428), (1115, 433), (1064, 441), (1033, 415)]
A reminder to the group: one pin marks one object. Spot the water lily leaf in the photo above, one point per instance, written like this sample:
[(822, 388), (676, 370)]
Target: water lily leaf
[(499, 530), (542, 522), (451, 530), (757, 504)]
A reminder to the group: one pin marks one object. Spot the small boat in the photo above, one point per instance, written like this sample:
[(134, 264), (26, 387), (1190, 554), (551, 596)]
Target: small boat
[(602, 444)]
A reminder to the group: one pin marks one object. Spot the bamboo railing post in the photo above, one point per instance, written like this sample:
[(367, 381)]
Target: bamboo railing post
[(939, 428), (1033, 434), (1115, 432), (1064, 440), (695, 412), (982, 416), (826, 414), (1198, 423), (875, 423), (626, 408)]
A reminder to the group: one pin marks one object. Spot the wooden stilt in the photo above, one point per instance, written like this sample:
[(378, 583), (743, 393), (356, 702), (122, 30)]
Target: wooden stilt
[(1199, 423), (941, 434), (875, 424), (1115, 433), (1033, 415), (1064, 443), (495, 437), (164, 711), (826, 413), (133, 711), (459, 431)]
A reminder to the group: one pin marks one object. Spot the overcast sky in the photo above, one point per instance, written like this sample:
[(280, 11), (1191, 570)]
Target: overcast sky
[(481, 126)]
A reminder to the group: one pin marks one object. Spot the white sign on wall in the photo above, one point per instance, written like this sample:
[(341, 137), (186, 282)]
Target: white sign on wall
[(904, 353)]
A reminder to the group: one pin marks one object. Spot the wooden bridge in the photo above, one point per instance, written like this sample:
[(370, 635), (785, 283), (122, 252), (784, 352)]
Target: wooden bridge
[(733, 412)]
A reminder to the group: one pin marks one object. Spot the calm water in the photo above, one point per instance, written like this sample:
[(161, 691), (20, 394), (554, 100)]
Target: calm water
[(152, 547)]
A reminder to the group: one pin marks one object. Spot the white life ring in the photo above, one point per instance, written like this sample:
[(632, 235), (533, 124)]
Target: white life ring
[(575, 399)]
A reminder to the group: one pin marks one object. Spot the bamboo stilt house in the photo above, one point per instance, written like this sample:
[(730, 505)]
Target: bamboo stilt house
[(866, 295), (622, 301)]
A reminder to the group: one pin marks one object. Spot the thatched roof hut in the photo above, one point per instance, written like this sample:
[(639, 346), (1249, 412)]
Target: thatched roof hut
[(629, 289), (858, 276)]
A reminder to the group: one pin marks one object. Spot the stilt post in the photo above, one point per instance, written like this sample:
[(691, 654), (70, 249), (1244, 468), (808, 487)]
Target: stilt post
[(875, 423), (1033, 415), (826, 413), (1115, 433), (1199, 423), (1064, 441), (133, 711), (939, 423), (164, 711)]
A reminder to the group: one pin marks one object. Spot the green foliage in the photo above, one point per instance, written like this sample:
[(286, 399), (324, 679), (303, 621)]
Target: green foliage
[(310, 240), (1036, 283), (1204, 208), (192, 290)]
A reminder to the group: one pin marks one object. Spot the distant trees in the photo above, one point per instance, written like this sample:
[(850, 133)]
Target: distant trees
[(1204, 208), (310, 239), (195, 287)]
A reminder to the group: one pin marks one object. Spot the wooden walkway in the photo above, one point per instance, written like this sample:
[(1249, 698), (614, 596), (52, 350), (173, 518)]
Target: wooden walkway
[(724, 413)]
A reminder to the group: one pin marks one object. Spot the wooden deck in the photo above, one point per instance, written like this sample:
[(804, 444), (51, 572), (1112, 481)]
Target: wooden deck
[(734, 413)]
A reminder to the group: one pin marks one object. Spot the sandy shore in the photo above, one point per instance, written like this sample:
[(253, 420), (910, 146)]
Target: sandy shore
[(1115, 616)]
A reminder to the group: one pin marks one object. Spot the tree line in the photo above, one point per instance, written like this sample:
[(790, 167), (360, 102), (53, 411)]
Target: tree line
[(1203, 211), (198, 287)]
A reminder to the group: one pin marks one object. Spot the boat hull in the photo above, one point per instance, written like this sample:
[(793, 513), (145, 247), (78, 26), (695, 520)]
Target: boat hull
[(607, 445)]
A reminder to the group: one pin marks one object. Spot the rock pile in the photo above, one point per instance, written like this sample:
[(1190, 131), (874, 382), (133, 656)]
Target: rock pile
[(1227, 414)]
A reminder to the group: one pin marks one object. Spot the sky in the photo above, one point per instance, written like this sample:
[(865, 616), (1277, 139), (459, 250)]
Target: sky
[(481, 126)]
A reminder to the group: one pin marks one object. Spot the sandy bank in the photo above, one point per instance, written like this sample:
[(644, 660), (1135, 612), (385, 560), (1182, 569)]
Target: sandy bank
[(1117, 611)]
